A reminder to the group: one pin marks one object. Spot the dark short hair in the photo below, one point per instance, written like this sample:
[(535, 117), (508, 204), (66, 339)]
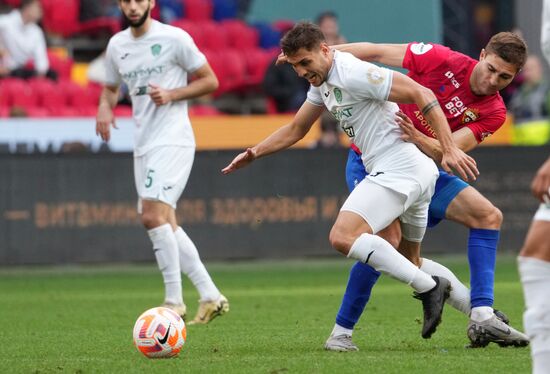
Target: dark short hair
[(510, 47), (305, 35), (26, 3)]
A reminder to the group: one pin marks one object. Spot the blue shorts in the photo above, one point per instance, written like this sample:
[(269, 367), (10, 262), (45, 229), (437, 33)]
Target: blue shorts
[(446, 187)]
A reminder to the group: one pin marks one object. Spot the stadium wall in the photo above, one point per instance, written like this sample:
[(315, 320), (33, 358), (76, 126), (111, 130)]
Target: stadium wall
[(373, 20), (58, 209)]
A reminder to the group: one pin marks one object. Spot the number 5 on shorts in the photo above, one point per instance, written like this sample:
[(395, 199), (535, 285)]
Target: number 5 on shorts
[(149, 180)]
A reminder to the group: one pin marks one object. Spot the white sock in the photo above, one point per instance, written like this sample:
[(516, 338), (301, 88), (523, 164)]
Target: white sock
[(535, 277), (339, 330), (481, 313), (192, 266), (460, 294), (380, 254), (166, 253)]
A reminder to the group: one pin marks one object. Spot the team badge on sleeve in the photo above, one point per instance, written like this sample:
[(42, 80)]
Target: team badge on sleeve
[(375, 75), (469, 115), (420, 48)]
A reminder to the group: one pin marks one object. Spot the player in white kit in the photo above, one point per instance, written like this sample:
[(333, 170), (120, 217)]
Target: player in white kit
[(534, 258), (361, 96), (154, 60)]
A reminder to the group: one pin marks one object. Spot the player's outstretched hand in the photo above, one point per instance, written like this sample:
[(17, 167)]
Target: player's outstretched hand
[(541, 183), (159, 95), (104, 120), (410, 133), (455, 159), (242, 160)]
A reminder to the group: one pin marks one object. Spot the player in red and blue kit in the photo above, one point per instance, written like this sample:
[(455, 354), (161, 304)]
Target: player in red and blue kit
[(467, 90)]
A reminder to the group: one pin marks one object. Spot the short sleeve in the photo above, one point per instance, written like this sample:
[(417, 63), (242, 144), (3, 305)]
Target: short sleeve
[(112, 75), (188, 55), (368, 81), (488, 125), (421, 57), (314, 96)]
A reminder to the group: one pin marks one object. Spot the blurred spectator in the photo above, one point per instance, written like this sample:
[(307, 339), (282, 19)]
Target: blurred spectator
[(24, 43), (328, 23), (285, 87), (329, 136), (530, 105), (92, 9), (530, 101), (243, 6)]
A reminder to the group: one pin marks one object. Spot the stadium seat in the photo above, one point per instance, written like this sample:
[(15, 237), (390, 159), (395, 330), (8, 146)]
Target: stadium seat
[(193, 29), (35, 111), (170, 10), (217, 64), (198, 10), (4, 111), (257, 62), (62, 17), (234, 70), (240, 35), (214, 35), (80, 97), (64, 111), (123, 111), (283, 25), (22, 94), (269, 37), (225, 9)]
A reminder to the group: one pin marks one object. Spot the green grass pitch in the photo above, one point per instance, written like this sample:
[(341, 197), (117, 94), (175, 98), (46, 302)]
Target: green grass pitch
[(79, 320)]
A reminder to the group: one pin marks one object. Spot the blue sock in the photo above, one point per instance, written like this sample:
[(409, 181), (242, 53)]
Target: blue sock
[(482, 252), (362, 278)]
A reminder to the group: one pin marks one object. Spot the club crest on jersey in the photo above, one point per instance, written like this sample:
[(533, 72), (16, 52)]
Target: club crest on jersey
[(469, 115), (375, 75), (155, 49), (338, 95)]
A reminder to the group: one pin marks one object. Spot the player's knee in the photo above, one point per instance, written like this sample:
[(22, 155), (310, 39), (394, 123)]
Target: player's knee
[(488, 217), (392, 237), (340, 240), (150, 220), (494, 217)]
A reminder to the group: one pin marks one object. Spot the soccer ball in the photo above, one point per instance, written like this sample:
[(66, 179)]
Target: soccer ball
[(159, 332)]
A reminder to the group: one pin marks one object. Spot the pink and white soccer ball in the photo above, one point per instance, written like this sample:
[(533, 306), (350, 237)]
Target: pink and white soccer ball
[(159, 332)]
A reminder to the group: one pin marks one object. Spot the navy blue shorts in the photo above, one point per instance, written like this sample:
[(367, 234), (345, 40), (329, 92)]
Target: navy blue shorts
[(446, 187)]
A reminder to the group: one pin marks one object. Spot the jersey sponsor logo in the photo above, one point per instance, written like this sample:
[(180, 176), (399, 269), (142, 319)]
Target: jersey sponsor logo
[(338, 95), (452, 78), (424, 123), (455, 106), (375, 75), (155, 49), (144, 72), (420, 48), (342, 113), (469, 115)]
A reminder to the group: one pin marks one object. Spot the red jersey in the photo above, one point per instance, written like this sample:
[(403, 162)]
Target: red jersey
[(447, 74)]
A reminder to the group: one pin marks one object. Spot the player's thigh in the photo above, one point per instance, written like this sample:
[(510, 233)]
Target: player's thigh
[(470, 208), (537, 242), (376, 205), (162, 173)]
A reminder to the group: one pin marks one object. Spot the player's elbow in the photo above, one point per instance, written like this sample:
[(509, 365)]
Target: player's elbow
[(212, 84)]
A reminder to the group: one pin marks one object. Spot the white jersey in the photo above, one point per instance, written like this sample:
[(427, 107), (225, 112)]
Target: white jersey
[(163, 57), (356, 93)]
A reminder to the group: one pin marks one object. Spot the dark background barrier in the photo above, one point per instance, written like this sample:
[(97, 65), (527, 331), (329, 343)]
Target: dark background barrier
[(81, 208)]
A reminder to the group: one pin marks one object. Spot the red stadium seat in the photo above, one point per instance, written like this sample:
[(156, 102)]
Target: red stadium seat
[(235, 70), (64, 111), (214, 35), (123, 111), (240, 35), (193, 29), (4, 111), (217, 64), (203, 110), (22, 94), (36, 112), (257, 62), (81, 97), (198, 10)]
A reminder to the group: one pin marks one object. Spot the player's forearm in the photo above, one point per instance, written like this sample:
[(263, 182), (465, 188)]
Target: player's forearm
[(197, 88), (431, 110), (108, 98), (279, 140), (388, 54), (429, 146)]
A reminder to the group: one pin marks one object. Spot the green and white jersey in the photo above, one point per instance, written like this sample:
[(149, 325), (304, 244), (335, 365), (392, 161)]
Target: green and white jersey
[(356, 93), (163, 57)]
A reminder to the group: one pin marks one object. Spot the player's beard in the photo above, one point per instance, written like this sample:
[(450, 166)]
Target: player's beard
[(137, 24)]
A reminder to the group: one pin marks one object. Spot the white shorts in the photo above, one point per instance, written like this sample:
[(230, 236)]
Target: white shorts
[(379, 205), (162, 173), (543, 213)]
